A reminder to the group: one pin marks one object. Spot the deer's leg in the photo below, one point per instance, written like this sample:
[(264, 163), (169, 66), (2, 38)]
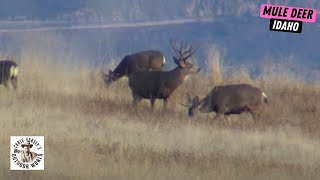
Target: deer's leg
[(136, 99), (255, 116), (227, 120), (218, 117), (14, 83), (220, 112), (6, 84), (165, 101), (152, 101)]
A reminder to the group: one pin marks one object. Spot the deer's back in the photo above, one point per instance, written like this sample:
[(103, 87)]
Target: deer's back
[(141, 61), (233, 97), (7, 63)]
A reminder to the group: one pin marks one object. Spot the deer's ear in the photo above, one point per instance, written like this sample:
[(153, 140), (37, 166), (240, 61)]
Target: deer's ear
[(196, 100), (176, 60)]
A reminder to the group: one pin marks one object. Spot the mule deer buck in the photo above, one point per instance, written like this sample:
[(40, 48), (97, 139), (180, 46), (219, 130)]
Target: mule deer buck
[(150, 60), (161, 84), (229, 99), (9, 73)]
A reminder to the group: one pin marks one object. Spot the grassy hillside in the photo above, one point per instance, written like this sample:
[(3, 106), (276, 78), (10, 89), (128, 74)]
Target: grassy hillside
[(92, 132)]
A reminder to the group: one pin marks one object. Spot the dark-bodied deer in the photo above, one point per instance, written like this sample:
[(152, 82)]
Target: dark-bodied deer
[(150, 60), (9, 73), (161, 84), (229, 99)]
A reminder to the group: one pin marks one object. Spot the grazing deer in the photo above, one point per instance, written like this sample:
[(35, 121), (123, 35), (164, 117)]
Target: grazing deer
[(161, 84), (9, 72), (150, 60), (229, 99)]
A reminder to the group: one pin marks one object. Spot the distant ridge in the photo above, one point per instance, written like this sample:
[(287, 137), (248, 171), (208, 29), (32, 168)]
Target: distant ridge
[(47, 26)]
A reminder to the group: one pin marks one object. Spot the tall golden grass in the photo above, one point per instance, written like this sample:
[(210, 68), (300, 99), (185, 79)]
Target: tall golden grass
[(92, 132)]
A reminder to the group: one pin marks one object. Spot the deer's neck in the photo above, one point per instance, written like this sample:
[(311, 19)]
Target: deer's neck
[(121, 69), (179, 75)]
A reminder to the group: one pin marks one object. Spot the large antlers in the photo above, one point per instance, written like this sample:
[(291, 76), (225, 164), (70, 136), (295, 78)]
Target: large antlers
[(184, 51)]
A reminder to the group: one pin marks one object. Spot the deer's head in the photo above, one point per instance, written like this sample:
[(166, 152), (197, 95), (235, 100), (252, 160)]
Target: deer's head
[(193, 104), (109, 77), (183, 53)]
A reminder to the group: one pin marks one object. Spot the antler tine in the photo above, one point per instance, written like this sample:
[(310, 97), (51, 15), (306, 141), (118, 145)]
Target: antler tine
[(185, 48), (191, 52), (175, 50), (180, 52), (187, 51), (184, 51)]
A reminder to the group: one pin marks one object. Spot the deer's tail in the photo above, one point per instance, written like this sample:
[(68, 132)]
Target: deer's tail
[(265, 98)]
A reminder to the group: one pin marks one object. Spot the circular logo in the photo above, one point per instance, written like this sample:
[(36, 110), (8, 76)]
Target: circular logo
[(27, 153)]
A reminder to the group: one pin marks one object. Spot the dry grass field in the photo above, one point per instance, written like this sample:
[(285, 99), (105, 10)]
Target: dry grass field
[(92, 132)]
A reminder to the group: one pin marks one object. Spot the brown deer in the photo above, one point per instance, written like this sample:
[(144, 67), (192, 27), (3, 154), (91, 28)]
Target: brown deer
[(229, 99), (161, 84), (9, 73), (150, 60)]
